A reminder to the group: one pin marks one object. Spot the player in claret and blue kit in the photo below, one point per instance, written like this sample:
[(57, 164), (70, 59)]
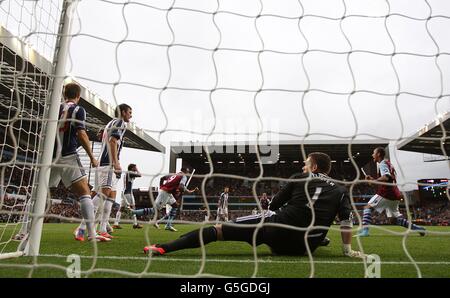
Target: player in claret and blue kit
[(387, 196), (166, 196)]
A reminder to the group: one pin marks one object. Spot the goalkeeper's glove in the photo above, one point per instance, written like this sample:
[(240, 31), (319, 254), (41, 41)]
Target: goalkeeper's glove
[(349, 252)]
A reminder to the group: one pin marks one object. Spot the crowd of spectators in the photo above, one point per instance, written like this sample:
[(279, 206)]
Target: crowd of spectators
[(426, 212), (9, 205), (200, 215), (432, 213), (17, 179), (65, 210)]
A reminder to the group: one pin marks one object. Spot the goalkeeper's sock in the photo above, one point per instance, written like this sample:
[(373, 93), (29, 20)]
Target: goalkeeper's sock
[(367, 217), (172, 214), (144, 211), (106, 213), (191, 240), (87, 212), (117, 221)]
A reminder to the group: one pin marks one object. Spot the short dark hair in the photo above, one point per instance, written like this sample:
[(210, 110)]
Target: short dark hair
[(322, 160), (381, 150), (184, 170), (72, 91), (131, 166), (122, 108)]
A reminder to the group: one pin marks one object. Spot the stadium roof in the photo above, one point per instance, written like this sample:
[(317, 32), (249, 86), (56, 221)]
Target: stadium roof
[(431, 138), (288, 151), (24, 82)]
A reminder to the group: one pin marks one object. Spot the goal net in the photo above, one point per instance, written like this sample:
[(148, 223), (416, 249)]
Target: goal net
[(241, 91), (28, 38)]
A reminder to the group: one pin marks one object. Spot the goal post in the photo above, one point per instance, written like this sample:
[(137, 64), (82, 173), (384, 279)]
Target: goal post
[(30, 245), (59, 67)]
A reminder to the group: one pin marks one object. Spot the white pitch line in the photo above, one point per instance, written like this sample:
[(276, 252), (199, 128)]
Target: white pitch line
[(239, 261)]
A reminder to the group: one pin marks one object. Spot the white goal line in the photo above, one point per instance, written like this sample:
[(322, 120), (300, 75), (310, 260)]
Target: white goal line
[(165, 259)]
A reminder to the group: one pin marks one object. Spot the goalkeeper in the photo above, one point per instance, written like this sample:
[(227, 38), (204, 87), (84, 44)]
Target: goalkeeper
[(292, 207)]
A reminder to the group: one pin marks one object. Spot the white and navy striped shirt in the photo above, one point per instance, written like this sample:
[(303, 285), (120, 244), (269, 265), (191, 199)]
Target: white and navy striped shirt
[(223, 201), (72, 118), (128, 182), (114, 129)]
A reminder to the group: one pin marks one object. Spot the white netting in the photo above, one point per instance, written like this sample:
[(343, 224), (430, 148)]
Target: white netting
[(294, 72), (23, 102), (35, 22), (28, 31)]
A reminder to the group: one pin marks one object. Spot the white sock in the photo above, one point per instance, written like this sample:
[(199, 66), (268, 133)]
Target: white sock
[(96, 201), (83, 222), (135, 219), (87, 212), (106, 213), (118, 218)]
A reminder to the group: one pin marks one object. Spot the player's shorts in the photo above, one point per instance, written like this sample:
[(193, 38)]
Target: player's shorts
[(380, 204), (281, 240), (106, 178), (68, 169), (222, 211), (164, 198), (127, 200)]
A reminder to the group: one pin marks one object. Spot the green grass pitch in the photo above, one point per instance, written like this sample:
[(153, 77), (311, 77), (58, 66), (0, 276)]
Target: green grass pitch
[(123, 257)]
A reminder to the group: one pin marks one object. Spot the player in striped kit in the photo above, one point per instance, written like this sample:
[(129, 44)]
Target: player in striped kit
[(127, 196), (166, 196), (68, 168), (222, 206), (110, 170)]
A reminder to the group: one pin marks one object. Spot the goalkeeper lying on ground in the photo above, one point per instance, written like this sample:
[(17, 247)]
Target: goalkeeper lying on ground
[(292, 207)]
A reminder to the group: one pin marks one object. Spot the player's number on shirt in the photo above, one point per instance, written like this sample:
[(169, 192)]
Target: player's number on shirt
[(315, 197), (171, 178)]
